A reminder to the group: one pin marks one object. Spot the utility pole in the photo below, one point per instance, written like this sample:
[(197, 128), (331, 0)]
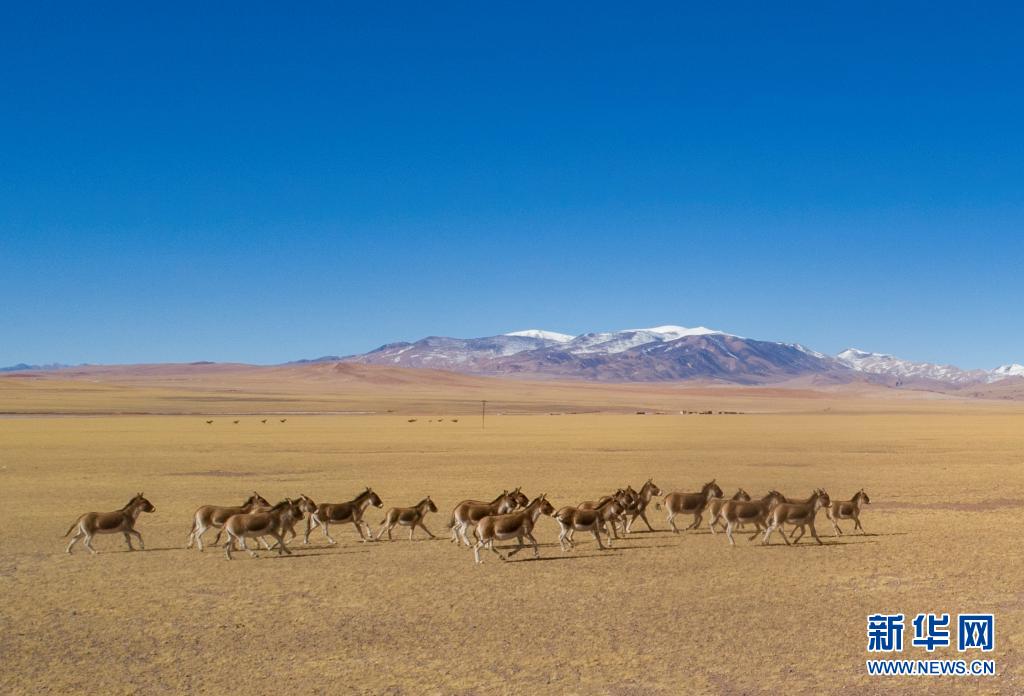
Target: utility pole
[(483, 415)]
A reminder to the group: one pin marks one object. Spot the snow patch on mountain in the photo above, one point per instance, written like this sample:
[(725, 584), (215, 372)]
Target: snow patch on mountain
[(1004, 371), (884, 364), (543, 335), (611, 342)]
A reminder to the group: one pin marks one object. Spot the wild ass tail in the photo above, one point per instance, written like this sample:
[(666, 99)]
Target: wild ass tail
[(71, 528)]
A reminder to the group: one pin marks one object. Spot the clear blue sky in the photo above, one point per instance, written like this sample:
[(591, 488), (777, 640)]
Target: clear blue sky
[(263, 182)]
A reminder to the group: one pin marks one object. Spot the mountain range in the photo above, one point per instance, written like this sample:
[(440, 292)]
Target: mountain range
[(665, 353), (661, 354)]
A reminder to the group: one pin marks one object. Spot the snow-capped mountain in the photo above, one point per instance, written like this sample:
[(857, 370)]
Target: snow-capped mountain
[(667, 353), (1012, 370), (659, 353), (882, 364)]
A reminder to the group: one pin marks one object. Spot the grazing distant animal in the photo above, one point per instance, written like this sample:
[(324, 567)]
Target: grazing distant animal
[(283, 420), (411, 420), (847, 510), (263, 421), (410, 517), (237, 422), (123, 520), (208, 422)]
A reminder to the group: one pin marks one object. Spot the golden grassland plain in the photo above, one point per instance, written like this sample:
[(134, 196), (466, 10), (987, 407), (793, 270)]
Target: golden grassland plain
[(659, 613)]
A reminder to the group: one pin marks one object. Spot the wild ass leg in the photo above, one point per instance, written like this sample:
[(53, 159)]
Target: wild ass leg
[(74, 540), (411, 530), (597, 535), (536, 546), (814, 533), (88, 542), (520, 547), (698, 517), (857, 524), (672, 521), (561, 536), (138, 537), (728, 533), (198, 535), (835, 526), (424, 527), (323, 526)]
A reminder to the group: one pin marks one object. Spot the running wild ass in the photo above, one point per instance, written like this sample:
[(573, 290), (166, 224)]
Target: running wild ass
[(691, 504), (797, 514), (351, 511), (410, 517), (847, 510), (214, 517), (255, 525), (123, 520), (514, 525)]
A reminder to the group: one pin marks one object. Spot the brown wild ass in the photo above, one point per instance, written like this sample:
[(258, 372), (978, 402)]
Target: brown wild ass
[(847, 510), (519, 499), (410, 517), (798, 514), (256, 525), (625, 500), (573, 519), (514, 525), (123, 520), (639, 509), (469, 513), (691, 504), (714, 509), (214, 517), (351, 511), (755, 512)]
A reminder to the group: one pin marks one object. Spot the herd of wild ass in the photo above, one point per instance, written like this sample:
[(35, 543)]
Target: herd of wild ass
[(509, 516)]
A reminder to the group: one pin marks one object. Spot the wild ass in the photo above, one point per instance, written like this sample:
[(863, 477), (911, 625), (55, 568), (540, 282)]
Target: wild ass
[(625, 500), (574, 519), (214, 517), (519, 499), (514, 525), (798, 514), (847, 510), (639, 509), (410, 517), (256, 525), (123, 520), (469, 513), (755, 512), (691, 503), (714, 508), (351, 511)]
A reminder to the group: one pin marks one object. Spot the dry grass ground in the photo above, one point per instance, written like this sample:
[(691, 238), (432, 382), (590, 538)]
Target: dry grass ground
[(658, 611)]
